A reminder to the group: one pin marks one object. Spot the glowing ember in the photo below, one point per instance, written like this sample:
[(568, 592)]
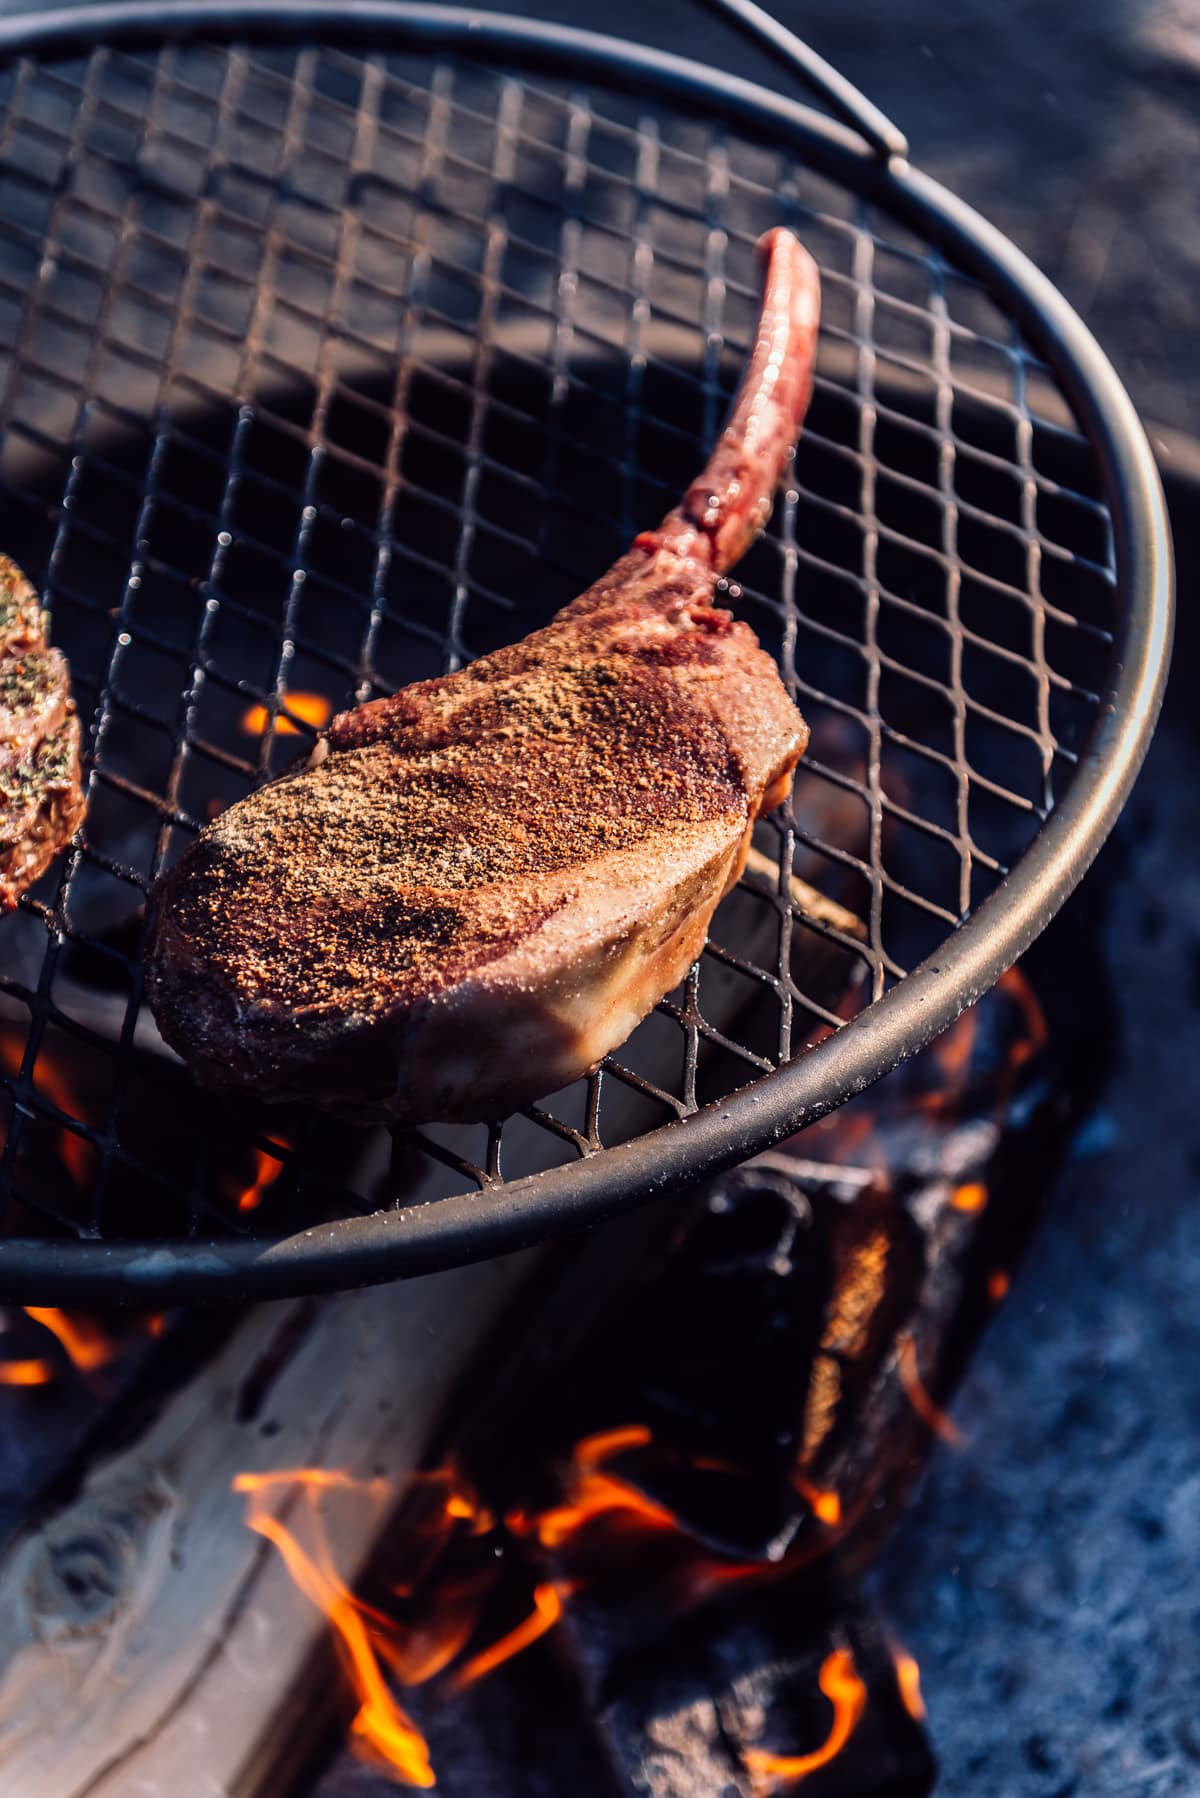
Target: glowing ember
[(88, 1346), (998, 1285), (908, 1679), (312, 708), (547, 1609), (920, 1400), (379, 1725), (825, 1506), (839, 1681), (26, 1373), (267, 1169), (971, 1198)]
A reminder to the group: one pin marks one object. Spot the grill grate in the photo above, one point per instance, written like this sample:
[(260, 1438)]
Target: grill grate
[(327, 370)]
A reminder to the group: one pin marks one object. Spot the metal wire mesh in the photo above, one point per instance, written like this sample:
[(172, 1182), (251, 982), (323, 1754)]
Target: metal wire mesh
[(324, 371)]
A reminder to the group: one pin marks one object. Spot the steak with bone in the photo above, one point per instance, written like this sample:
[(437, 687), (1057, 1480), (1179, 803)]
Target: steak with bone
[(41, 795), (473, 890)]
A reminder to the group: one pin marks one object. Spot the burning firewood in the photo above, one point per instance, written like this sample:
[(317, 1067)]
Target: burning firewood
[(145, 1633), (682, 1576)]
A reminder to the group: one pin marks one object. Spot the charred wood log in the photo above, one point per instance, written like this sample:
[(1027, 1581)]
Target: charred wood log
[(772, 1365)]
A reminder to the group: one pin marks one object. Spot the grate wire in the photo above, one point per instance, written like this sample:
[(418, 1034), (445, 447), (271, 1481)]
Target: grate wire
[(328, 369)]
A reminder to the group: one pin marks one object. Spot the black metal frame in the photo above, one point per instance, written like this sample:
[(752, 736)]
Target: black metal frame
[(471, 1226)]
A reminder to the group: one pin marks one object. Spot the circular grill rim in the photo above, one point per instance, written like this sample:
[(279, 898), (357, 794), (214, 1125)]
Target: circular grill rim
[(446, 1232)]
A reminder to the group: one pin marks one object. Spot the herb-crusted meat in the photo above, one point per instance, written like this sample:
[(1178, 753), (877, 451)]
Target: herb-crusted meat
[(473, 890), (41, 797)]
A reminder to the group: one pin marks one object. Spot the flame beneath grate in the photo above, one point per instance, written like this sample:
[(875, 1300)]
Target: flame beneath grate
[(30, 1372), (52, 1081), (310, 708), (825, 1505), (847, 1694), (601, 1521), (379, 1725), (908, 1680), (86, 1343), (594, 1494), (919, 1397), (267, 1167), (971, 1197), (89, 1345), (547, 1609)]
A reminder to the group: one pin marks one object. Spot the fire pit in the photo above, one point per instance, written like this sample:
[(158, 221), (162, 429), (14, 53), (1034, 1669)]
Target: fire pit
[(321, 355), (343, 348)]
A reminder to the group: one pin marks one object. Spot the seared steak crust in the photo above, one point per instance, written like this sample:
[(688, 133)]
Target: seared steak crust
[(472, 890), (41, 796)]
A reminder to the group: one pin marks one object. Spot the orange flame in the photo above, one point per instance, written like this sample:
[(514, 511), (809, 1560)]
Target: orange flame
[(312, 708), (74, 1151), (919, 1398), (839, 1681), (590, 1451), (952, 1052), (373, 1644), (592, 1493), (971, 1197), (908, 1679), (430, 1647), (379, 1724), (998, 1285), (825, 1505), (547, 1609), (267, 1169), (26, 1373), (952, 1055), (1023, 996), (321, 1478), (88, 1346)]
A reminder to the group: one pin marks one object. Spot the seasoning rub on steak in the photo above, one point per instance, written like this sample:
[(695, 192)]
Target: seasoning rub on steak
[(472, 891), (41, 794)]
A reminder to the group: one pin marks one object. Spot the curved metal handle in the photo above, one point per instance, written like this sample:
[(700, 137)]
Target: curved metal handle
[(842, 97)]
